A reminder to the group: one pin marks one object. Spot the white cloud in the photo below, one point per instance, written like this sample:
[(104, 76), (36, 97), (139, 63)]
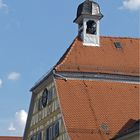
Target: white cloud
[(21, 117), (1, 83), (3, 6), (19, 122), (131, 5), (14, 76), (11, 127)]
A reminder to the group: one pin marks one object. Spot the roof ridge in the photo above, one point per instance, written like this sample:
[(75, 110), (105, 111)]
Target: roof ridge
[(120, 37)]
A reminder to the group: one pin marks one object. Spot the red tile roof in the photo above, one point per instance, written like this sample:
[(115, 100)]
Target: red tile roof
[(87, 105), (104, 59), (10, 138)]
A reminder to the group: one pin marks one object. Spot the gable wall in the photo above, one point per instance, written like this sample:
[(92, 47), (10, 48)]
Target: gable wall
[(42, 118)]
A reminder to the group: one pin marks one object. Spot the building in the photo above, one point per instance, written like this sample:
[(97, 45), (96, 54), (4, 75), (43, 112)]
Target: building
[(131, 133), (93, 90), (10, 138)]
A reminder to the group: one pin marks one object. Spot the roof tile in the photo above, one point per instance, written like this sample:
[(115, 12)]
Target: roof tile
[(104, 59), (10, 138), (86, 105)]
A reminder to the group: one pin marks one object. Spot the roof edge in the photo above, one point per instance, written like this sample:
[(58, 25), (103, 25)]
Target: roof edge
[(44, 77), (120, 37), (65, 54)]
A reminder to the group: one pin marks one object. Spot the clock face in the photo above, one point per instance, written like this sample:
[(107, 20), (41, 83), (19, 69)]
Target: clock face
[(44, 97)]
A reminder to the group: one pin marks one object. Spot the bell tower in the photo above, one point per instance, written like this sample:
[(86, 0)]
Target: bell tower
[(88, 20)]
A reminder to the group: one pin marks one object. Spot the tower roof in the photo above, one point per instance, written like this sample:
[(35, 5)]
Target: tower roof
[(88, 8)]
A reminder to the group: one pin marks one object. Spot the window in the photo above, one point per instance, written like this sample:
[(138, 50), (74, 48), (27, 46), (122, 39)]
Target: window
[(52, 132), (47, 134), (117, 44), (56, 129), (33, 137), (39, 136), (91, 27), (36, 137)]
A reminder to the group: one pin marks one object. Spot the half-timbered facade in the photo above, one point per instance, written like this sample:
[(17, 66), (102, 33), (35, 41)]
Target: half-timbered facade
[(45, 121)]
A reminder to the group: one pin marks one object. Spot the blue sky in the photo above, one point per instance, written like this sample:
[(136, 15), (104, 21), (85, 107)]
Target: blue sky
[(33, 36)]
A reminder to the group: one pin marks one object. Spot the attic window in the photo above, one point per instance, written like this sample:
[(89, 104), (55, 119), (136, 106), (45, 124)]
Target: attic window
[(117, 44)]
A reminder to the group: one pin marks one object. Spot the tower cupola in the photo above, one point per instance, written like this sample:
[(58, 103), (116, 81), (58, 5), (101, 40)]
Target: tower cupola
[(88, 17)]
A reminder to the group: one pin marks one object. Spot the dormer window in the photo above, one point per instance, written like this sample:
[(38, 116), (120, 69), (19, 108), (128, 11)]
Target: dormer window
[(91, 27)]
